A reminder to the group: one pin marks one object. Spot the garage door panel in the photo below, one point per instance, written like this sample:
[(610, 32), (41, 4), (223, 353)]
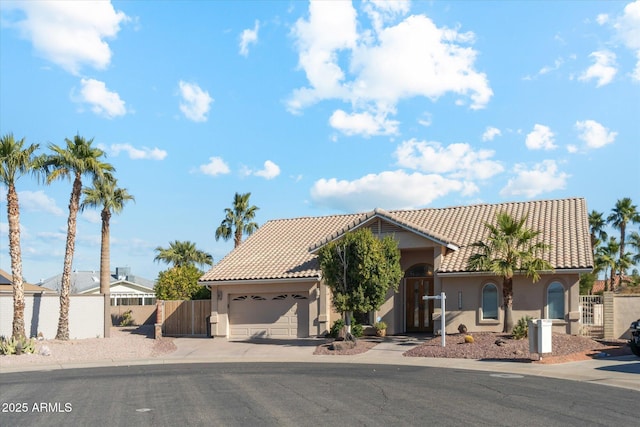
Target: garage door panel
[(266, 315)]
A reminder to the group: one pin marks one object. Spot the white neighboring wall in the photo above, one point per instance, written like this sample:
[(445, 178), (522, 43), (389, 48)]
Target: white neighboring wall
[(41, 314)]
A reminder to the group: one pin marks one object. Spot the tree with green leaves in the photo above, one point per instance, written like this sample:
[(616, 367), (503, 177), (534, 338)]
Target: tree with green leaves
[(634, 242), (597, 225), (238, 220), (181, 283), (15, 161), (606, 260), (360, 269), (509, 249), (181, 254), (624, 213), (78, 159), (107, 196)]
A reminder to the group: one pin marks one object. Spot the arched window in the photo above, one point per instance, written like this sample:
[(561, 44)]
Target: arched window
[(420, 270), (490, 302), (555, 301)]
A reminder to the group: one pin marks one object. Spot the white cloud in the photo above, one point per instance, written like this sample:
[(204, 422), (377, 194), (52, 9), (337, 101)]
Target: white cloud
[(602, 18), (491, 133), (103, 102), (92, 216), (542, 178), (364, 124), (627, 27), (69, 34), (458, 160), (389, 190), (195, 102), (603, 70), (270, 170), (138, 153), (426, 119), (248, 37), (374, 70), (38, 201), (216, 166), (594, 134), (540, 138)]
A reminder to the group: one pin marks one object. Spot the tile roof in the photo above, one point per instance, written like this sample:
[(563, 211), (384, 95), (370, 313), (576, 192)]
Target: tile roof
[(82, 281), (6, 285), (284, 248)]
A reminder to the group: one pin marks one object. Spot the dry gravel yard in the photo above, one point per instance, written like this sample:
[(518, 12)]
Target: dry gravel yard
[(566, 348), (124, 344)]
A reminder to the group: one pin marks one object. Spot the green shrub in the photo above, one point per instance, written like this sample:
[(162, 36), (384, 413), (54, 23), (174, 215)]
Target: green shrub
[(17, 346), (337, 326), (127, 318), (380, 326), (521, 330), (356, 329)]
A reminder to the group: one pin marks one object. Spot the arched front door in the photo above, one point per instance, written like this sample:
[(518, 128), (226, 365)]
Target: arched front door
[(418, 283)]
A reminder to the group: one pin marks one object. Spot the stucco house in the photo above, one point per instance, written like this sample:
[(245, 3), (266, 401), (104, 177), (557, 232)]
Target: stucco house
[(271, 285), (125, 288)]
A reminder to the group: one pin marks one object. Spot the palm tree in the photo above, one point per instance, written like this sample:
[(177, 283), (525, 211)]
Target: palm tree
[(509, 249), (107, 195), (15, 162), (238, 220), (597, 225), (182, 254), (77, 159), (622, 214), (634, 242), (606, 260)]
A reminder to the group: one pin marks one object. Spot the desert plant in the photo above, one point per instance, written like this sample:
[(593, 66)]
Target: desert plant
[(521, 330), (356, 329), (468, 339), (337, 326), (17, 346), (127, 318)]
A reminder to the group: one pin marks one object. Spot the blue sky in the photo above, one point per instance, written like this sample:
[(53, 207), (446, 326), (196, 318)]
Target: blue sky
[(315, 108)]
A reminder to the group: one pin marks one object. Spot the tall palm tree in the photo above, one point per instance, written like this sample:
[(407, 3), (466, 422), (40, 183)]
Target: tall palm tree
[(238, 220), (597, 225), (606, 260), (182, 254), (634, 242), (107, 195), (16, 161), (509, 249), (78, 159), (623, 213)]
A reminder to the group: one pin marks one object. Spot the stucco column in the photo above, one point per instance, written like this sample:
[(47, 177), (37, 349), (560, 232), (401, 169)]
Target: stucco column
[(213, 317), (323, 312)]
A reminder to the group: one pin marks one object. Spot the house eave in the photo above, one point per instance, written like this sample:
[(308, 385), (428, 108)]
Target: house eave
[(488, 273), (239, 282)]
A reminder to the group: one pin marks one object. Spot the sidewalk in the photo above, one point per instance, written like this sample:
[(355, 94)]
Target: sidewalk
[(614, 371)]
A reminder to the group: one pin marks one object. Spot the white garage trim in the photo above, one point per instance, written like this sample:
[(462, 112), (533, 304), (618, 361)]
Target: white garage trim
[(268, 315)]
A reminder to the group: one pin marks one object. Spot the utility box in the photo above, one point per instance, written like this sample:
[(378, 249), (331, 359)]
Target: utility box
[(540, 335)]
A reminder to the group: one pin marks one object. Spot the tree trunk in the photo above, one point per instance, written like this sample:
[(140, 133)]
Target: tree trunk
[(13, 215), (237, 237), (63, 321), (105, 271), (507, 296)]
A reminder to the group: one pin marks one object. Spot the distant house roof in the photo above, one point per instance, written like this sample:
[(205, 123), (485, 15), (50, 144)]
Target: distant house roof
[(6, 285), (286, 248), (86, 281)]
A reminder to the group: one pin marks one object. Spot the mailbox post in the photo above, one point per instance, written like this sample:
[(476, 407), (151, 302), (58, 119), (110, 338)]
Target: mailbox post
[(443, 324)]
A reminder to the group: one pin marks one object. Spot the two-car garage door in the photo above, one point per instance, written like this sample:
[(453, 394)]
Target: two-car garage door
[(268, 316)]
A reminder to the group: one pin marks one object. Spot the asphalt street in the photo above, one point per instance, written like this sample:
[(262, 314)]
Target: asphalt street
[(305, 394)]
